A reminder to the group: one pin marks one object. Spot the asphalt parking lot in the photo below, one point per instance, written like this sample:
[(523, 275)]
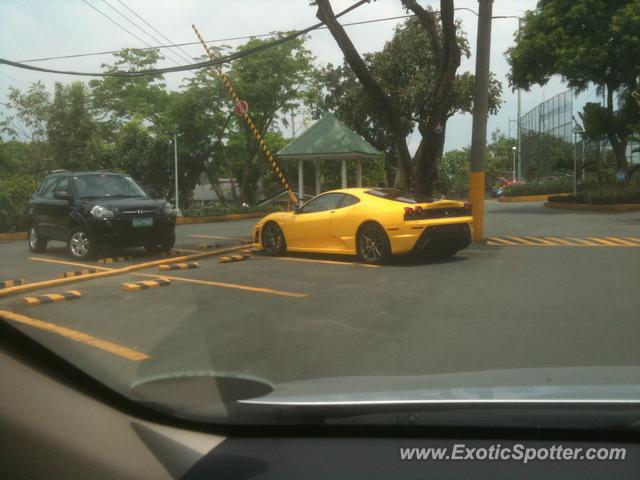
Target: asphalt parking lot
[(549, 288)]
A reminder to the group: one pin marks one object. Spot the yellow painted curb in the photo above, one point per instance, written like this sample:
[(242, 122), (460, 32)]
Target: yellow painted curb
[(587, 207), (110, 273), (530, 198), (219, 218), (14, 236), (52, 298)]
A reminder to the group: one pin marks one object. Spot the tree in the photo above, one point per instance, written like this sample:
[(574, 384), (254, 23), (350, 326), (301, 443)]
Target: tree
[(71, 128), (585, 41), (453, 176), (28, 124), (416, 74)]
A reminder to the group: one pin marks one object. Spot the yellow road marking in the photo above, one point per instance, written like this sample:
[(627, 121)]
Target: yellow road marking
[(229, 285), (602, 241), (583, 243), (77, 336), (542, 241), (622, 241), (63, 262), (561, 241), (519, 240), (499, 241), (311, 260)]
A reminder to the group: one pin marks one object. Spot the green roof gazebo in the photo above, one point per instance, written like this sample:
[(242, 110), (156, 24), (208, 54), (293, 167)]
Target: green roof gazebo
[(328, 139)]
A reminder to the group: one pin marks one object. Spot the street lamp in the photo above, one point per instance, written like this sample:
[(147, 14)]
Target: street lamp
[(514, 149)]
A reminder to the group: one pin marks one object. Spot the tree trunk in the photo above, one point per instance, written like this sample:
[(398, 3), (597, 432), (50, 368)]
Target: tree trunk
[(619, 145), (383, 106), (435, 111)]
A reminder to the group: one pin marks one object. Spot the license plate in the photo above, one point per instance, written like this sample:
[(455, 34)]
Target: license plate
[(142, 222)]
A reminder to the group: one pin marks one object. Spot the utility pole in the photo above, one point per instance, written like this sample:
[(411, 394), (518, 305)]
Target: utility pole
[(519, 131), (480, 111), (175, 171)]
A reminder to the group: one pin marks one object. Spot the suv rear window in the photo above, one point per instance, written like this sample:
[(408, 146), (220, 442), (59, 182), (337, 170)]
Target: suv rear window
[(399, 195)]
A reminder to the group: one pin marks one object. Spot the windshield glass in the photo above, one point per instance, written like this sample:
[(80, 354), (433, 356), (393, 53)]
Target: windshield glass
[(308, 222), (399, 195), (104, 186)]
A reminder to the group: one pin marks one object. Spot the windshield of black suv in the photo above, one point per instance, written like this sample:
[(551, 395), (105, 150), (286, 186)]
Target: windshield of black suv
[(332, 202), (105, 186)]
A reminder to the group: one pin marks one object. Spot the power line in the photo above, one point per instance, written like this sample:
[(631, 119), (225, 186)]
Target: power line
[(217, 40), (188, 56), (180, 68), (155, 39), (117, 24)]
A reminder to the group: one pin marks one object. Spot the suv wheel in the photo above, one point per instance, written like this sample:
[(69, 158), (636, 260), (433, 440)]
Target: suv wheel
[(164, 246), (79, 244), (37, 243)]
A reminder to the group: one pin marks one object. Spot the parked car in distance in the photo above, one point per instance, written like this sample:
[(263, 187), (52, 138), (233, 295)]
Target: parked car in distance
[(89, 210)]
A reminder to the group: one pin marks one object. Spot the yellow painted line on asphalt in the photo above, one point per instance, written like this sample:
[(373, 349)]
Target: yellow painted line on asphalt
[(235, 286), (312, 260), (74, 264), (541, 241), (76, 336), (521, 241), (116, 271), (499, 241), (581, 242), (561, 241), (622, 242), (602, 241)]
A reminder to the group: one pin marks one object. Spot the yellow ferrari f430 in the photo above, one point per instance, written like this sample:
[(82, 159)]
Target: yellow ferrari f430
[(372, 223)]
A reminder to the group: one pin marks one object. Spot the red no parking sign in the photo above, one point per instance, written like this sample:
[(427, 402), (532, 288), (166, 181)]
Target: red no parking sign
[(242, 107)]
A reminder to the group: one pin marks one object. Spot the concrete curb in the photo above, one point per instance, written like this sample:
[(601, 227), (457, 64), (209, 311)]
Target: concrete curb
[(52, 298), (219, 218), (14, 236), (586, 207), (530, 198)]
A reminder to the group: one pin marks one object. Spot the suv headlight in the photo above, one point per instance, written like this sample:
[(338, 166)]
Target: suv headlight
[(101, 212), (168, 209)]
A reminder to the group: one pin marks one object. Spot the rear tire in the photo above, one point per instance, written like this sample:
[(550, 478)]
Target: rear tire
[(373, 244), (273, 240), (165, 245), (37, 243), (79, 245)]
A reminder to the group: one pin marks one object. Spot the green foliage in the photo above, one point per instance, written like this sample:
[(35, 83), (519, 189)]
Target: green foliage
[(453, 177), (406, 70), (15, 192), (215, 209), (540, 187), (585, 41), (608, 193)]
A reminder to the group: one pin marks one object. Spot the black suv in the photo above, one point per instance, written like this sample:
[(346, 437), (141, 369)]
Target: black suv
[(91, 209)]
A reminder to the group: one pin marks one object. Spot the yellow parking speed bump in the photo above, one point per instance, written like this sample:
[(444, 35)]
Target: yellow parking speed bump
[(161, 282), (11, 283), (77, 273), (114, 259), (180, 266), (233, 258), (52, 297)]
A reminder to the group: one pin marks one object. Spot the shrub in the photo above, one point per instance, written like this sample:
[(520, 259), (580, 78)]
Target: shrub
[(607, 194), (540, 187), (15, 192), (218, 209)]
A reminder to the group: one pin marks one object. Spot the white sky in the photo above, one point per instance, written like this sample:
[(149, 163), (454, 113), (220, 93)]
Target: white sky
[(43, 28)]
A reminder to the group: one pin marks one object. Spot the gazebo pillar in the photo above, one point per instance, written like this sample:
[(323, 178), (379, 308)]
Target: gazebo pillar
[(359, 173), (316, 164), (301, 180), (344, 173)]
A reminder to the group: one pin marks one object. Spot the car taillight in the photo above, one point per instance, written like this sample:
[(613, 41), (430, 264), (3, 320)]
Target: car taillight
[(418, 209), (468, 207), (409, 211)]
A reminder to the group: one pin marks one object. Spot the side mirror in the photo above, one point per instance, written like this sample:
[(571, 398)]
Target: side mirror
[(62, 195)]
